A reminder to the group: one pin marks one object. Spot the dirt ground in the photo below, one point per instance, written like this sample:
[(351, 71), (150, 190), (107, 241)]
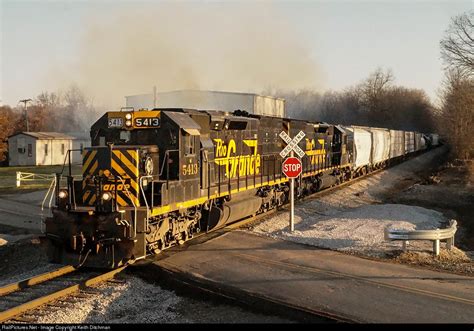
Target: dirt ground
[(448, 189)]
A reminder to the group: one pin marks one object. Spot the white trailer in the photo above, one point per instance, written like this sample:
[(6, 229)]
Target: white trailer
[(210, 100)]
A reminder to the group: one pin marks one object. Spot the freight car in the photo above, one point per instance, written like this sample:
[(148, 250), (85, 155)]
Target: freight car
[(156, 178)]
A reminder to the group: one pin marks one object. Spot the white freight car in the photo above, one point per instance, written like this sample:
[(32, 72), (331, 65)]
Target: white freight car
[(418, 141), (362, 147), (380, 146), (409, 142), (397, 143)]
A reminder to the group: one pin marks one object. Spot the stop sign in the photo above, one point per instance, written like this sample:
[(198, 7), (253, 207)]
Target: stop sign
[(292, 167)]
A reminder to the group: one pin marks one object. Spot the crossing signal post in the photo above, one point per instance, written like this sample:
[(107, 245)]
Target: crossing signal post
[(292, 167)]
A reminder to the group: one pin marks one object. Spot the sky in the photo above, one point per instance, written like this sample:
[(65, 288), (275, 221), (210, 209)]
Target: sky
[(116, 48)]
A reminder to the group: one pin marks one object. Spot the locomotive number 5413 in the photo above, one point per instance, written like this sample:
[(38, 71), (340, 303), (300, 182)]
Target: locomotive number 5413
[(152, 122)]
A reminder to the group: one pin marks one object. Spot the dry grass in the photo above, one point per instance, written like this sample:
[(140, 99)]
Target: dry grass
[(454, 260), (8, 177)]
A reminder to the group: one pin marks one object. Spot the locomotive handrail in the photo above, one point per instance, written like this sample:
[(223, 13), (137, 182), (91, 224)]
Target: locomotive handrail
[(49, 193), (144, 198), (134, 207)]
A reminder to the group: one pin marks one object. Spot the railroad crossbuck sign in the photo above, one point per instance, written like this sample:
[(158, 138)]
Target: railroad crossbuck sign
[(292, 144)]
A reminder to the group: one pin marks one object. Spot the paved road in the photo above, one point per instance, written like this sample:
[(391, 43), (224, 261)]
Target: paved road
[(22, 210), (323, 282)]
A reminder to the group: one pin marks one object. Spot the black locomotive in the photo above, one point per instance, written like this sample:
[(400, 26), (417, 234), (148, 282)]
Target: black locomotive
[(155, 178)]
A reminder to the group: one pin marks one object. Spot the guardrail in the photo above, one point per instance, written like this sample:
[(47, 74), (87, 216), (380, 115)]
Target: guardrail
[(433, 235)]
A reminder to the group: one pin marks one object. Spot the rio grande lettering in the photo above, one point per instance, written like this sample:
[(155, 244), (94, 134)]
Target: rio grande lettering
[(111, 187), (237, 165), (315, 155)]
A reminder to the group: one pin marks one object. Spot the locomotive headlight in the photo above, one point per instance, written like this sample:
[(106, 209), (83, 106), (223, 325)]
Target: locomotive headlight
[(106, 196), (62, 194), (128, 116), (128, 122)]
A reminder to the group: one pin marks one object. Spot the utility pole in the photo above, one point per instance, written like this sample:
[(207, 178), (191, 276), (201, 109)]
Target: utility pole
[(25, 101)]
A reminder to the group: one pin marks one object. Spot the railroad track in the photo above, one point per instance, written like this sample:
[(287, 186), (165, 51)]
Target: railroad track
[(20, 297)]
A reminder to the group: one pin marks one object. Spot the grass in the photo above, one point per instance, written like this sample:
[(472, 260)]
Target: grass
[(8, 177)]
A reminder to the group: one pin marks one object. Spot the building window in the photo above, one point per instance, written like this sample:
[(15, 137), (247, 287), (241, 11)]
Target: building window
[(45, 149), (21, 145), (62, 149), (30, 150)]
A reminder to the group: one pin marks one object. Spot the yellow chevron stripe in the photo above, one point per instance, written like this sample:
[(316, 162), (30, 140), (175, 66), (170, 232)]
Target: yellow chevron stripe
[(126, 162), (94, 167), (121, 201), (87, 162), (93, 199), (134, 155), (118, 169), (135, 185), (85, 196)]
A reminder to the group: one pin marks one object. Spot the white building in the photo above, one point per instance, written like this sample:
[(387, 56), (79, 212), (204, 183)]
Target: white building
[(81, 140), (210, 100), (40, 148)]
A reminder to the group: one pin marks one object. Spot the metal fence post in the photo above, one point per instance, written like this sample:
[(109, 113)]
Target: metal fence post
[(436, 247), (18, 179), (405, 245)]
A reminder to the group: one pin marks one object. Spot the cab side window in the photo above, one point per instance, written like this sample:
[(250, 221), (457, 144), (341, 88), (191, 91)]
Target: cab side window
[(189, 146)]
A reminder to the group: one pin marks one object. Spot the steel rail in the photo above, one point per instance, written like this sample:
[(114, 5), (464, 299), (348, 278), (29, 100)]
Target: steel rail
[(15, 311), (25, 283)]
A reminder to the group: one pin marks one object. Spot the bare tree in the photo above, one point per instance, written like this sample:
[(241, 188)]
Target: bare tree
[(457, 47), (457, 113), (373, 89)]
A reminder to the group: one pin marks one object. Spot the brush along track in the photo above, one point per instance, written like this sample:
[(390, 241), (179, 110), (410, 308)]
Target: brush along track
[(20, 297)]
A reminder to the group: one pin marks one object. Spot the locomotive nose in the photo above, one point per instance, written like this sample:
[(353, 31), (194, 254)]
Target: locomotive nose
[(111, 173)]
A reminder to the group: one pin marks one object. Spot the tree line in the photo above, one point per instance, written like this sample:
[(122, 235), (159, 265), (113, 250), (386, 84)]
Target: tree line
[(455, 116), (376, 102)]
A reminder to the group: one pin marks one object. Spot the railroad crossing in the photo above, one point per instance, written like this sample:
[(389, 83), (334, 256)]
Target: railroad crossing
[(292, 167)]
